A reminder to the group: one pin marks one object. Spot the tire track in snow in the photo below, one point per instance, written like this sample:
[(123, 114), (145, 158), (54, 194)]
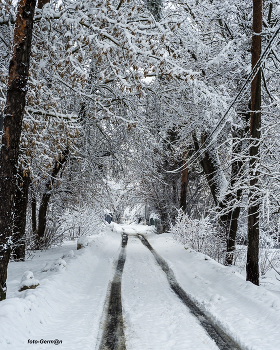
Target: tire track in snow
[(113, 333), (223, 341)]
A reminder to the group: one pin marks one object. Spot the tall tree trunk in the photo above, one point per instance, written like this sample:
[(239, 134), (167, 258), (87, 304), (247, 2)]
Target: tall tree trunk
[(252, 267), (210, 169), (33, 212), (21, 201), (168, 202), (42, 220), (13, 114), (229, 220), (236, 168), (184, 184), (231, 239)]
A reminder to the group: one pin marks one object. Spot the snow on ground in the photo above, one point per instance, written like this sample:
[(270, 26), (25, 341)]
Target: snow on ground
[(154, 317), (250, 314), (68, 304), (133, 228)]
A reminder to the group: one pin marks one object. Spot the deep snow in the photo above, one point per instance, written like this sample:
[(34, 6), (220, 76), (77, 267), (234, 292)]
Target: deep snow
[(249, 314), (68, 304)]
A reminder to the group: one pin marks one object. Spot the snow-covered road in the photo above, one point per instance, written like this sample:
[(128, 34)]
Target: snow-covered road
[(154, 317), (70, 302)]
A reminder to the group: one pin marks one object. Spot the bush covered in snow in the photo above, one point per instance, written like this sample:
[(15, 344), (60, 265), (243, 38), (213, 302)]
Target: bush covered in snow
[(28, 281), (269, 259), (82, 242), (69, 225), (199, 235), (56, 266)]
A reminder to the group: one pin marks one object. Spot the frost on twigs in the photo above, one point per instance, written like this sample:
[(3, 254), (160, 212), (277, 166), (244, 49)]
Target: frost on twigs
[(198, 235), (28, 281)]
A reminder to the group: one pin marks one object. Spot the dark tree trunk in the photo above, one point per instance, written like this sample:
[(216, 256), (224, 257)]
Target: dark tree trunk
[(210, 169), (21, 201), (34, 213), (231, 239), (184, 185), (252, 267), (229, 220), (41, 3), (42, 220), (175, 200), (236, 174), (13, 114), (168, 195)]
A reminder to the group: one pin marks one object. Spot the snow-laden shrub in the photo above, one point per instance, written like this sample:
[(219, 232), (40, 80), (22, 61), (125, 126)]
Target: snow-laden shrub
[(82, 242), (268, 259), (268, 239), (70, 225), (56, 266), (133, 214), (199, 235), (83, 221), (28, 281)]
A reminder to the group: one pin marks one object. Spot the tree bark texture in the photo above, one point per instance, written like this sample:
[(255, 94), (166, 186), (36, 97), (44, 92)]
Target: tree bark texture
[(41, 3), (210, 169), (21, 201), (13, 114), (184, 185), (34, 213), (229, 220), (42, 220), (252, 267), (168, 192), (236, 174)]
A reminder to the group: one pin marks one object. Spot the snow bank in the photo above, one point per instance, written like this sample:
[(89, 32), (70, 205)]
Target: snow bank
[(67, 305), (250, 314), (69, 254)]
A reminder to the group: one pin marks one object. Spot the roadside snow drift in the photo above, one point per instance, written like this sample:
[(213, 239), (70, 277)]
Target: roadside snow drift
[(68, 303)]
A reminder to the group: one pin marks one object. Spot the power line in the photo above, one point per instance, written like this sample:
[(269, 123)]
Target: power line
[(218, 128)]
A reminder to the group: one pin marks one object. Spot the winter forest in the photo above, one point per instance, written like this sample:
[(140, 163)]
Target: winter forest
[(158, 113)]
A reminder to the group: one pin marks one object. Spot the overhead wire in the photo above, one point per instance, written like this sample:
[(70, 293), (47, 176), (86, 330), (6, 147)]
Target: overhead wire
[(219, 127)]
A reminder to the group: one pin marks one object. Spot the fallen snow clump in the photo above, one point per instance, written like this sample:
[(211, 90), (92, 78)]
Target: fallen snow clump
[(56, 266), (82, 242), (28, 281), (70, 254)]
